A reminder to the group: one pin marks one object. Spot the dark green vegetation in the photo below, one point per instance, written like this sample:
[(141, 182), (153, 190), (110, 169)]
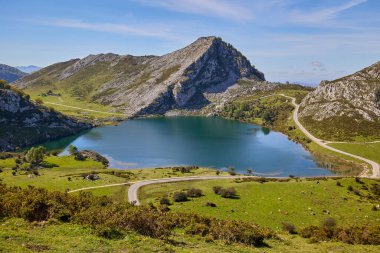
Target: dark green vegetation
[(343, 129), (112, 220)]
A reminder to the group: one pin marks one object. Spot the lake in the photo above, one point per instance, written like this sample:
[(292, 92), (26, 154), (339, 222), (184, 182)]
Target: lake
[(212, 142)]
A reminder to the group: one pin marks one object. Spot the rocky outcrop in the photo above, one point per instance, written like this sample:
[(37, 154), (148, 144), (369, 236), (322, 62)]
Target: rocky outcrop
[(10, 74), (356, 96), (24, 123), (183, 79)]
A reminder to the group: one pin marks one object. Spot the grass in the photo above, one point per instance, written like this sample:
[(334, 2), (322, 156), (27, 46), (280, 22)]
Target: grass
[(301, 203), (68, 99), (57, 178), (17, 235), (368, 150)]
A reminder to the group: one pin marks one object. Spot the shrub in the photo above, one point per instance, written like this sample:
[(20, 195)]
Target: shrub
[(375, 189), (111, 219), (217, 189), (211, 204), (180, 197), (357, 180), (338, 183), (165, 201), (110, 233), (194, 193), (350, 188), (35, 155), (232, 171), (328, 223), (351, 235), (228, 193), (290, 228)]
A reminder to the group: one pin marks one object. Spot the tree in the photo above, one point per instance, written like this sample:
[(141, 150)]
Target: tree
[(35, 155), (249, 171), (232, 171), (73, 150)]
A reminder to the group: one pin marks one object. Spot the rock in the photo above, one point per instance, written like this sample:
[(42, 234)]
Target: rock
[(24, 123), (356, 96), (92, 177), (94, 156)]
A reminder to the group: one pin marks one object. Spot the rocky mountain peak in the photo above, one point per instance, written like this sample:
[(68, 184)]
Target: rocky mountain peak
[(355, 96), (152, 84)]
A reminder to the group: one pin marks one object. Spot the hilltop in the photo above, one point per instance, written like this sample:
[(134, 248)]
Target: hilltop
[(140, 85), (347, 107), (10, 74)]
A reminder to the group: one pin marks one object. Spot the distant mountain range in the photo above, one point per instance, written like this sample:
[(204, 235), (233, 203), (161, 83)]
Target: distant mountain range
[(138, 85), (28, 69), (10, 74)]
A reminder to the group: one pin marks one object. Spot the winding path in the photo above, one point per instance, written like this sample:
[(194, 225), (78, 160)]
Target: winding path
[(133, 190), (83, 109), (322, 143)]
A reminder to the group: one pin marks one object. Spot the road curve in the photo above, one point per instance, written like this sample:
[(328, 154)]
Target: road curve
[(322, 143), (133, 189)]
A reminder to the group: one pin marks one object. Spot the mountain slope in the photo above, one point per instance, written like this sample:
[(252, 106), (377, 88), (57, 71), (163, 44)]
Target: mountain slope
[(347, 106), (149, 84), (23, 123), (9, 73), (28, 69)]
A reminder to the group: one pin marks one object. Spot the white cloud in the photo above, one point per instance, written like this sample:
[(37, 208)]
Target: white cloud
[(317, 65), (218, 8), (148, 31), (325, 14)]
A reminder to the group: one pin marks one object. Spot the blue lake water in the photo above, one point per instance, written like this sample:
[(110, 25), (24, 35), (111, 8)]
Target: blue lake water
[(201, 141)]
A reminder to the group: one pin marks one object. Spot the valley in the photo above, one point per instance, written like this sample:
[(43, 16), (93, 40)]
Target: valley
[(191, 151)]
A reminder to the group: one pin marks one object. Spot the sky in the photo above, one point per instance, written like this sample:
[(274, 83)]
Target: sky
[(302, 41)]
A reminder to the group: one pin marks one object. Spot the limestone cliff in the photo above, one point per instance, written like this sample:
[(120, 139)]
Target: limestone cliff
[(24, 123), (139, 85)]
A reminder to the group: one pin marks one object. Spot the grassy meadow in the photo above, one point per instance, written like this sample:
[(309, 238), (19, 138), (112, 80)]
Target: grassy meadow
[(301, 202)]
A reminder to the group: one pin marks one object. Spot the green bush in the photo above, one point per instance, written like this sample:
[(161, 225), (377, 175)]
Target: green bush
[(228, 193), (288, 227), (180, 197), (165, 201), (217, 189), (351, 235), (194, 193), (111, 219)]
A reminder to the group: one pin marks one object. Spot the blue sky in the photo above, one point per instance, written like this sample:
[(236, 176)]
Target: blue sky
[(289, 40)]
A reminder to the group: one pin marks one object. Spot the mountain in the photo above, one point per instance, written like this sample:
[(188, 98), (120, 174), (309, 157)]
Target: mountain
[(349, 104), (24, 123), (138, 85), (28, 69), (9, 73)]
